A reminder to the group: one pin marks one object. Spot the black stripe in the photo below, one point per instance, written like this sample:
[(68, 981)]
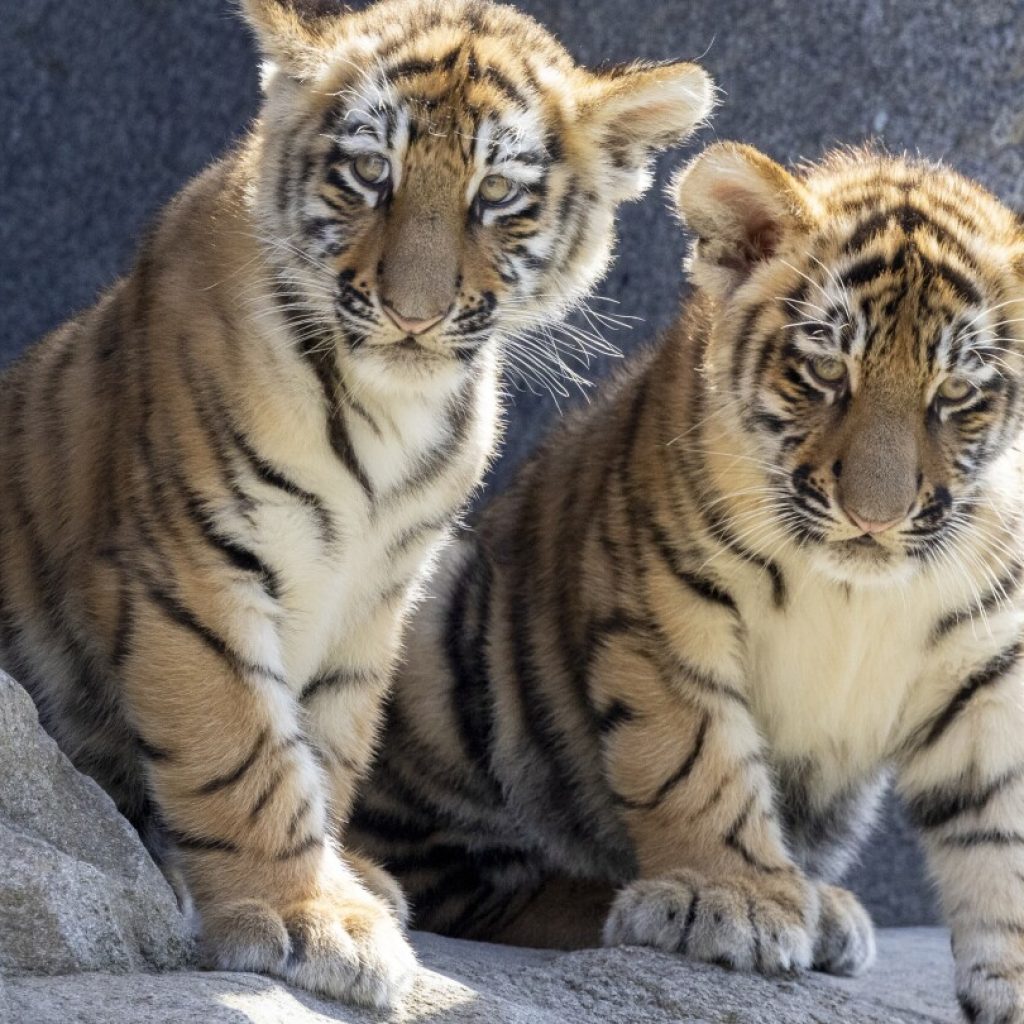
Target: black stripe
[(999, 594), (410, 68), (297, 815), (720, 531), (220, 429), (235, 553), (909, 218), (181, 615), (269, 790), (468, 662), (700, 585), (963, 287), (319, 351), (863, 271), (699, 678), (202, 844), (506, 86), (220, 782), (214, 426), (150, 751), (541, 725), (934, 808), (744, 345), (271, 477), (615, 715), (691, 919), (391, 828), (983, 837), (733, 839), (679, 775), (125, 623), (989, 674), (335, 680), (300, 848)]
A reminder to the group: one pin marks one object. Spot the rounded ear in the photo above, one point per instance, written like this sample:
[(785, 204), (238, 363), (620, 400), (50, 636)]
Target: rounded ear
[(743, 207), (637, 110), (294, 34)]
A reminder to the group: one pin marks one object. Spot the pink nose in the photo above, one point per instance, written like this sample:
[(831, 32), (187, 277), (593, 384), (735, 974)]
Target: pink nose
[(868, 526), (411, 325)]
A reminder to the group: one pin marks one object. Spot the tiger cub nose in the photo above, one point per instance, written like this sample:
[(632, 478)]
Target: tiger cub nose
[(412, 325), (868, 526)]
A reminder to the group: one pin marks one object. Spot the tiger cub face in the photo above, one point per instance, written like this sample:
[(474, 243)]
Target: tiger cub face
[(867, 350), (436, 172)]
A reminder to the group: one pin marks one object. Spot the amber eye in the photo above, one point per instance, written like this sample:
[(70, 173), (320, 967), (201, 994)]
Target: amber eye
[(830, 370), (371, 169), (497, 190), (955, 389)]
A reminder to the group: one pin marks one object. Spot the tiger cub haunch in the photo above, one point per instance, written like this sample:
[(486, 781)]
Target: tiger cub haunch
[(780, 559), (223, 483)]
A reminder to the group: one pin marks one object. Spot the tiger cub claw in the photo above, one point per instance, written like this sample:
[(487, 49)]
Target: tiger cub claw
[(347, 947), (732, 922)]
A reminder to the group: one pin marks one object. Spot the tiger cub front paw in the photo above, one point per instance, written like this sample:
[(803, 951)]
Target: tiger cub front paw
[(344, 944), (742, 923), (990, 988), (845, 939)]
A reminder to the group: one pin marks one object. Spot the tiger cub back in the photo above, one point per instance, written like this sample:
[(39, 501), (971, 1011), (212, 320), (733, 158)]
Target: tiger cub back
[(225, 482), (661, 684)]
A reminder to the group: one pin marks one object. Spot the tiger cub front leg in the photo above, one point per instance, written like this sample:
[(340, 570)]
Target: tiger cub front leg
[(243, 794), (963, 779), (343, 710), (684, 761)]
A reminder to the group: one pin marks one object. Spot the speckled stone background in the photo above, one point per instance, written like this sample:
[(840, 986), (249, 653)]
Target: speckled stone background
[(108, 106)]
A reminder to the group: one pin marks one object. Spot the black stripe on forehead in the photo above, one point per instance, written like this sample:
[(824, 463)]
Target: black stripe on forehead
[(907, 218), (864, 270), (413, 66), (871, 267), (497, 78), (964, 289)]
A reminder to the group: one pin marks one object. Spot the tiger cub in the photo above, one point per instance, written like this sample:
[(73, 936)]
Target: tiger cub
[(223, 483), (781, 558)]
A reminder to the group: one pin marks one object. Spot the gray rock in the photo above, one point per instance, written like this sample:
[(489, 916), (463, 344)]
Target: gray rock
[(471, 983), (77, 889)]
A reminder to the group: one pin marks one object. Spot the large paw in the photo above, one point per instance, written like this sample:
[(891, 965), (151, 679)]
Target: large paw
[(991, 993), (737, 922), (845, 939), (345, 945)]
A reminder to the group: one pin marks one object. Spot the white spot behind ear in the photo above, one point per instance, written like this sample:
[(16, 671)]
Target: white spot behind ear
[(743, 207), (269, 71), (640, 110)]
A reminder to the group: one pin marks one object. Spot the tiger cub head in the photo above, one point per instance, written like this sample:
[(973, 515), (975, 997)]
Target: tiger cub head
[(433, 173), (866, 350)]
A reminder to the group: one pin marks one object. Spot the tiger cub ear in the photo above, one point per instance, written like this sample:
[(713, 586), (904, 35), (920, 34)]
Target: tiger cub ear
[(636, 110), (744, 208), (294, 35)]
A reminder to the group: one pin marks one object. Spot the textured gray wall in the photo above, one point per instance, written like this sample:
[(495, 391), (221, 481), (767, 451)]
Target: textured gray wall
[(108, 106)]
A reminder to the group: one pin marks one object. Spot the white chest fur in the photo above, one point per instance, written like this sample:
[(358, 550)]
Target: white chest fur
[(343, 598), (831, 673)]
